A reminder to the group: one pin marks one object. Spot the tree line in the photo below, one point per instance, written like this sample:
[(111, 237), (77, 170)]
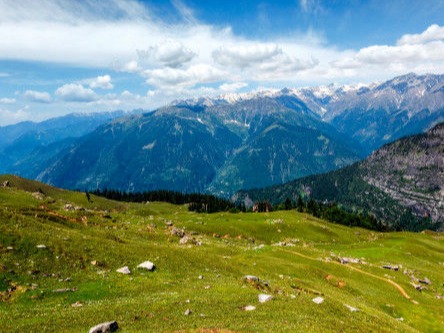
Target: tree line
[(201, 203)]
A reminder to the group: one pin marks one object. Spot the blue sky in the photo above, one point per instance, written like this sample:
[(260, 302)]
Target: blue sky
[(62, 56)]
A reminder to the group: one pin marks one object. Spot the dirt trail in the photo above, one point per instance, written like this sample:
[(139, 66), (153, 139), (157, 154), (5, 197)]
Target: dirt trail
[(397, 286)]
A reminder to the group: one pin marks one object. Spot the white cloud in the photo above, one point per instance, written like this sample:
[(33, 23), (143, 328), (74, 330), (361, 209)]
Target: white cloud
[(8, 117), (229, 87), (172, 77), (243, 56), (4, 74), (131, 67), (420, 53), (37, 96), (170, 53), (432, 33), (6, 100), (73, 92), (101, 82), (188, 57)]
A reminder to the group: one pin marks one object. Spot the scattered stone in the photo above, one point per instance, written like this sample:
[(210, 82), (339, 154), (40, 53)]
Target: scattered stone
[(200, 277), (418, 286), (6, 183), (439, 296), (169, 223), (425, 281), (393, 268), (38, 195), (251, 278), (10, 248), (188, 312), (292, 296), (264, 298), (400, 319), (41, 246), (69, 207), (318, 300), (64, 290), (346, 260), (77, 304), (184, 240), (124, 270), (207, 287), (177, 232), (110, 326), (352, 309), (249, 308), (148, 265)]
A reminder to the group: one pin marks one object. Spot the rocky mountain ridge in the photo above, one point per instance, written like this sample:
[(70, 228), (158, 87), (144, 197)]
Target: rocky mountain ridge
[(401, 183)]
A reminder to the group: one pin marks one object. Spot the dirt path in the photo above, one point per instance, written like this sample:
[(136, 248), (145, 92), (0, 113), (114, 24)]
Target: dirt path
[(397, 286)]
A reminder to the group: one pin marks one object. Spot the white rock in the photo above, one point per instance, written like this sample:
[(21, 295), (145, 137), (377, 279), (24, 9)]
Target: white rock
[(187, 312), (251, 278), (352, 309), (41, 246), (318, 300), (148, 265), (110, 326), (264, 298), (124, 270), (249, 308)]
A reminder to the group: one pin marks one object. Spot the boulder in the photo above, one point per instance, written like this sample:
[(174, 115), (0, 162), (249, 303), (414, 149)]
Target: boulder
[(265, 298), (351, 308), (177, 232), (393, 268), (124, 270), (6, 183), (425, 281), (251, 278), (187, 312), (110, 326), (249, 308), (318, 300), (41, 246), (148, 265)]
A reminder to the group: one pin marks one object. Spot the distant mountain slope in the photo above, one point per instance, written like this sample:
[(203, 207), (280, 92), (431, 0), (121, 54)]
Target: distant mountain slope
[(205, 145), (26, 147), (222, 144), (383, 113), (401, 180)]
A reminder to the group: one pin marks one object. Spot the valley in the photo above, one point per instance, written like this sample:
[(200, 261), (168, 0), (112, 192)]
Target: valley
[(60, 252)]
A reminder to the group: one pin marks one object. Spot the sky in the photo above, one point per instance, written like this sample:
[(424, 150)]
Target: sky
[(61, 56)]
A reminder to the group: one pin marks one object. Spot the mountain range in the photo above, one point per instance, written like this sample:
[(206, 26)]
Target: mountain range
[(232, 142), (401, 183)]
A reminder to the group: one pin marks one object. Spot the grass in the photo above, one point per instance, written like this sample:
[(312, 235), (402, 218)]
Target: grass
[(233, 245)]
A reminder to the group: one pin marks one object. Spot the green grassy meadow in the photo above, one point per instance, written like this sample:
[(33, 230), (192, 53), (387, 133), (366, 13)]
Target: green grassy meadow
[(85, 246)]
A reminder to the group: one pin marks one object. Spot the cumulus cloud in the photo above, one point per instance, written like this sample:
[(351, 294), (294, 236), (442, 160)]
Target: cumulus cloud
[(173, 77), (243, 56), (432, 33), (420, 53), (101, 82), (6, 100), (8, 117), (73, 92), (187, 57), (171, 53), (37, 96)]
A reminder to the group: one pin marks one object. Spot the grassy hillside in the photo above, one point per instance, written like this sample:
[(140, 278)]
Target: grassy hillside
[(85, 242)]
